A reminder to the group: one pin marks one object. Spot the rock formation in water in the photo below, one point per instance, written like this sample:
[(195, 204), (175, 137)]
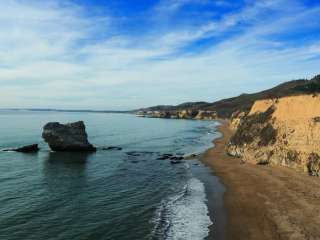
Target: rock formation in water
[(67, 137), (111, 148), (25, 149), (283, 131)]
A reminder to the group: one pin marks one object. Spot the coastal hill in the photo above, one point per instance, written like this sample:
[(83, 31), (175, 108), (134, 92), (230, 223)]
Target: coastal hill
[(278, 126), (226, 107)]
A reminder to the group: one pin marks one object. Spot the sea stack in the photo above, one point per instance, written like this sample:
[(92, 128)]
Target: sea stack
[(70, 137)]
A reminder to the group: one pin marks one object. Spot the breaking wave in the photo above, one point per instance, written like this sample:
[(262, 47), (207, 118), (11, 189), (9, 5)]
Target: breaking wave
[(183, 216)]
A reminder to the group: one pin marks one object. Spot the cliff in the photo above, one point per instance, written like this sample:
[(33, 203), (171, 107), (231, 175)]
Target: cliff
[(225, 108), (180, 114), (279, 131)]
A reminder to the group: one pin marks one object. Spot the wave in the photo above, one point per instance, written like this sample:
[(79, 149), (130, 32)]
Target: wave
[(183, 216)]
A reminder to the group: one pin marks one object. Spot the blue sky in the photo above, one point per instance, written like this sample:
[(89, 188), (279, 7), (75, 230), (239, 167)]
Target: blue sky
[(117, 54)]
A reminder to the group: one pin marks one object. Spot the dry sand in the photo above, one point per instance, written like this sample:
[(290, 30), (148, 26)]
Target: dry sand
[(264, 202)]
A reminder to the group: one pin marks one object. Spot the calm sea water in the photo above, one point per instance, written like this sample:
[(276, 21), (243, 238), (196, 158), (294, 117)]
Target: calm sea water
[(107, 194)]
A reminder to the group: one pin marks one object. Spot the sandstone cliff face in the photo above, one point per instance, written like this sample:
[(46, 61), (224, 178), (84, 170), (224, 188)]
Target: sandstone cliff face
[(236, 119), (206, 115), (185, 114), (283, 131)]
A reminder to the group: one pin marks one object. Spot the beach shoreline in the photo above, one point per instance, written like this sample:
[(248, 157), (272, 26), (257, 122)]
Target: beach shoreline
[(263, 202)]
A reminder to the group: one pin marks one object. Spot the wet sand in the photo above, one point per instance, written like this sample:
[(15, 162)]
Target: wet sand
[(264, 202)]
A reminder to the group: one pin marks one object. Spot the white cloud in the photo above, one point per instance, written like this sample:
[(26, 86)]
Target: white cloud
[(165, 7), (50, 56)]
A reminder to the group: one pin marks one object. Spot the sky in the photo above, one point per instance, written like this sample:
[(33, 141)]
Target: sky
[(127, 54)]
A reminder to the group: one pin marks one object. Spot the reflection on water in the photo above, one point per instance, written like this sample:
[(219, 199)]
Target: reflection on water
[(68, 158), (63, 171)]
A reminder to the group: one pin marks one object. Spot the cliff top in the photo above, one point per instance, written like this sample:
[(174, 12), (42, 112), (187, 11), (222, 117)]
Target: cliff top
[(291, 107)]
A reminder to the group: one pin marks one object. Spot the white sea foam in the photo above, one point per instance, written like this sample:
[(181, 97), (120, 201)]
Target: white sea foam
[(184, 216)]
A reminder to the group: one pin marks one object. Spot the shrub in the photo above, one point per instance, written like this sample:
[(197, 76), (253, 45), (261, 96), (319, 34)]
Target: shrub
[(316, 119), (252, 126), (267, 135), (293, 156), (313, 164), (311, 87)]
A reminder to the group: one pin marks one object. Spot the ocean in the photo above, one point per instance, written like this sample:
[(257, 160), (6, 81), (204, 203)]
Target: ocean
[(116, 195)]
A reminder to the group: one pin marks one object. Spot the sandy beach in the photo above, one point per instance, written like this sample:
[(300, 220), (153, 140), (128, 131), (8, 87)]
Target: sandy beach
[(264, 202)]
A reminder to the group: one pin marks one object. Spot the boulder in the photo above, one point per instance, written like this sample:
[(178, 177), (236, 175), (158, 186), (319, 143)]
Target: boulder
[(67, 137), (169, 156), (25, 149), (112, 148), (165, 156), (28, 148)]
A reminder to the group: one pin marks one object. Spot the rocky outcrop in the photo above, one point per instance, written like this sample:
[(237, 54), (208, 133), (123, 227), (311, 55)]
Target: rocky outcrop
[(67, 137), (236, 119), (206, 115), (181, 114), (25, 149), (284, 131), (186, 114), (154, 114)]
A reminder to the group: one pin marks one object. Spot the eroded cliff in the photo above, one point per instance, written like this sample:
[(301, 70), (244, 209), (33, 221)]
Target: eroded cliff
[(284, 131)]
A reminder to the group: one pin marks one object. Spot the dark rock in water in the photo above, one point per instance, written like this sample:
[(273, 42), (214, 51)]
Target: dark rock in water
[(112, 148), (177, 158), (28, 148), (175, 161), (164, 156), (167, 155), (135, 154), (139, 153), (170, 156), (67, 137), (25, 149)]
